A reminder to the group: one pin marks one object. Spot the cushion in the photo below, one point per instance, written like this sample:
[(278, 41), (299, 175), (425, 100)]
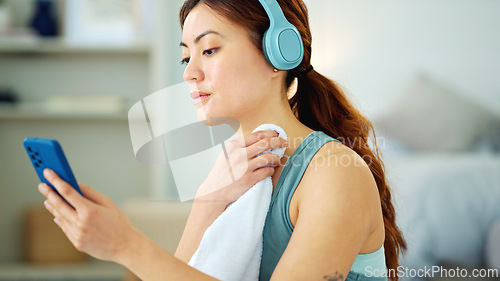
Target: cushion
[(492, 248), (431, 116), (446, 206)]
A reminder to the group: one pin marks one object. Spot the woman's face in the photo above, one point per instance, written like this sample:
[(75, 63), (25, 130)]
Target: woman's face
[(223, 62)]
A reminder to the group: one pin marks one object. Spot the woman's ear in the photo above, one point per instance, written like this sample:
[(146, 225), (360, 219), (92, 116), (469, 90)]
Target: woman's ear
[(292, 90)]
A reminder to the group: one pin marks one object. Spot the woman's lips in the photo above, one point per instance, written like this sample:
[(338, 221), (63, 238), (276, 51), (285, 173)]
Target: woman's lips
[(201, 98)]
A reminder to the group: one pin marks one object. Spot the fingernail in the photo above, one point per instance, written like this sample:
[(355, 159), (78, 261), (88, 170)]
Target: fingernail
[(42, 187), (48, 172), (47, 204), (56, 220)]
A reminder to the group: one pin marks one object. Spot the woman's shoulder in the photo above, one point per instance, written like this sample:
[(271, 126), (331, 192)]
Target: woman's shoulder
[(337, 174), (336, 162)]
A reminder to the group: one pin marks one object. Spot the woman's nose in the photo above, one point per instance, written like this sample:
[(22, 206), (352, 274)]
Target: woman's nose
[(193, 71)]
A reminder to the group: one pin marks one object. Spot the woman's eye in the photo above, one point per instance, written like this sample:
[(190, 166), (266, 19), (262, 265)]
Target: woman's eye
[(209, 51)]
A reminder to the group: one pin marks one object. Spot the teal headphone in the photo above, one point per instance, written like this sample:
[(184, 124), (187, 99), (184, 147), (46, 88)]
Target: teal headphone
[(282, 43)]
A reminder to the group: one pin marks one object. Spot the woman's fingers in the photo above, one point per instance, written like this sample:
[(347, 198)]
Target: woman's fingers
[(55, 204), (239, 167), (261, 141), (257, 136), (250, 146), (259, 168), (247, 181), (254, 157), (265, 144), (263, 160), (65, 190)]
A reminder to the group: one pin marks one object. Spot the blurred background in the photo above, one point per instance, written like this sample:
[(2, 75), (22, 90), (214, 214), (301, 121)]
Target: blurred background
[(425, 72)]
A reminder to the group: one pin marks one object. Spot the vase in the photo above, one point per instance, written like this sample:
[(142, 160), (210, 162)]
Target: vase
[(44, 19)]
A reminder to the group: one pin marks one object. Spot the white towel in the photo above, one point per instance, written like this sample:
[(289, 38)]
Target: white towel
[(231, 248)]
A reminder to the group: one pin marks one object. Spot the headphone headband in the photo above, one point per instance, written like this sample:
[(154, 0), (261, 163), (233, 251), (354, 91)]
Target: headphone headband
[(273, 11)]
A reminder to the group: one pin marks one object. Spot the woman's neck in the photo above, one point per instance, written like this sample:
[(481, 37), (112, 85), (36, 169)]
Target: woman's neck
[(279, 115)]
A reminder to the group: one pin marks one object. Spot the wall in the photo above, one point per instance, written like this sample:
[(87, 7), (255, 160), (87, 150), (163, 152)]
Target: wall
[(374, 48), (35, 77), (98, 146)]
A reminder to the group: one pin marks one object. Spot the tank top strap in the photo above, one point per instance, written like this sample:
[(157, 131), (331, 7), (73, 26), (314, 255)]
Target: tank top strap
[(297, 164), (278, 227)]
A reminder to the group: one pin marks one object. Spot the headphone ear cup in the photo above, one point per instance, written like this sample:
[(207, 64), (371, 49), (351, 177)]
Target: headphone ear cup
[(283, 47)]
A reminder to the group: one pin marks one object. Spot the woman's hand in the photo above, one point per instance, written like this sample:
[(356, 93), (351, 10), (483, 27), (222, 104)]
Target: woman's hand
[(238, 167), (231, 177), (96, 226), (93, 223)]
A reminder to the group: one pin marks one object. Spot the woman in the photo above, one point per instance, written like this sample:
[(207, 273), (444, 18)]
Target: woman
[(333, 218)]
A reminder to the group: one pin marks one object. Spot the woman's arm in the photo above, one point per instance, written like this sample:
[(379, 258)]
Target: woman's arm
[(338, 208), (96, 226), (150, 262)]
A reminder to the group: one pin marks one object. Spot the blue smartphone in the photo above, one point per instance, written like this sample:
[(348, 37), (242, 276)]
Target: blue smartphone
[(48, 153)]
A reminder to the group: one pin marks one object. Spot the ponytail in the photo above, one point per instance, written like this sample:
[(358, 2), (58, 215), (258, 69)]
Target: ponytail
[(320, 104)]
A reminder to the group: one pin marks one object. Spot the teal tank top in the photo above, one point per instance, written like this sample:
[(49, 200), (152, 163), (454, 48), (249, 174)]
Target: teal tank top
[(278, 227)]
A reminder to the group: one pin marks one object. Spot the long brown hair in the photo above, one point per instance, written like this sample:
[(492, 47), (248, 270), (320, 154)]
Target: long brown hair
[(319, 103)]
